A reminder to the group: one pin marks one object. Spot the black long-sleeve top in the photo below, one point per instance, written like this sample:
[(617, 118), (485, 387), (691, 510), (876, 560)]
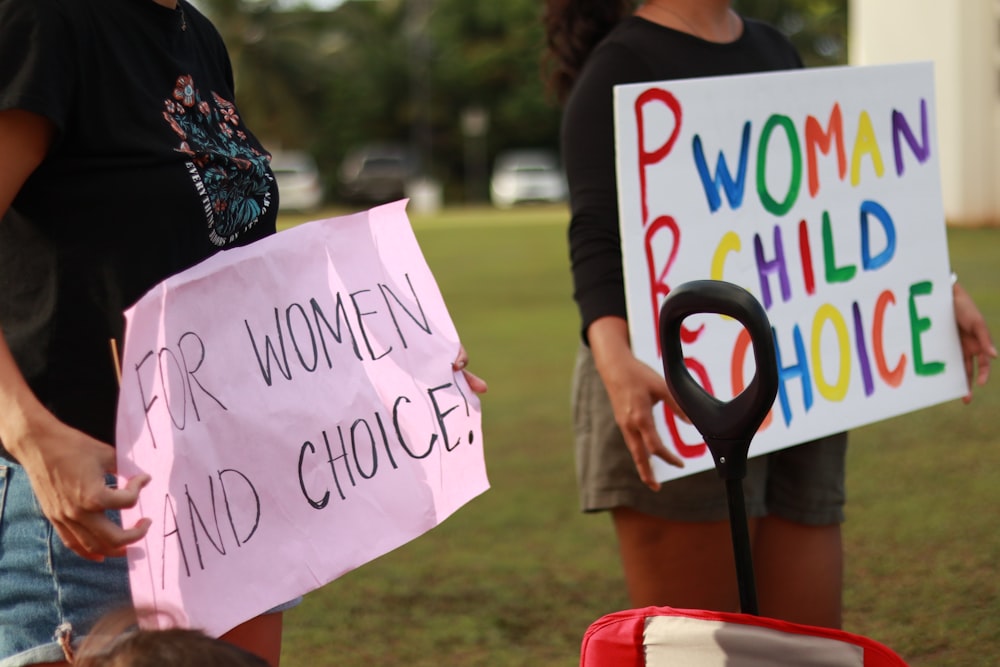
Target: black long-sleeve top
[(636, 51)]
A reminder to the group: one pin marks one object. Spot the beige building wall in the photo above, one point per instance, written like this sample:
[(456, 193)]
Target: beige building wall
[(962, 38)]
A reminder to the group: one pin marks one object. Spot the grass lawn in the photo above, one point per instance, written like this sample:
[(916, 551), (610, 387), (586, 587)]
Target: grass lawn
[(515, 577)]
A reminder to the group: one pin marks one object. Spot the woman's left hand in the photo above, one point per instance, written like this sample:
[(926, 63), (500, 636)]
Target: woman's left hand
[(977, 346), (476, 383)]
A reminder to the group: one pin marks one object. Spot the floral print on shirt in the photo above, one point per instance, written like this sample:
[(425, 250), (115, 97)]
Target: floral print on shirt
[(231, 175)]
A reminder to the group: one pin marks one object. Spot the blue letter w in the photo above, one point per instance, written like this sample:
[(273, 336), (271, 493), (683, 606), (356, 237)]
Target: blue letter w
[(723, 179)]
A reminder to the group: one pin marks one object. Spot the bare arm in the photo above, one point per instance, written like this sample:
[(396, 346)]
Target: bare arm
[(66, 467), (634, 388)]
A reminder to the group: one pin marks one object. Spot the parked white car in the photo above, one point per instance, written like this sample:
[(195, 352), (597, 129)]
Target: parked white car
[(527, 175), (299, 186)]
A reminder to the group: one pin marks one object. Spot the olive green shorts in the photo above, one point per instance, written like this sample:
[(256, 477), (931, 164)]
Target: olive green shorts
[(804, 483)]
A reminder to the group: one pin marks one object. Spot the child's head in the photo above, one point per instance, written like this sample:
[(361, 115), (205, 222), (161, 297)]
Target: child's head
[(116, 641)]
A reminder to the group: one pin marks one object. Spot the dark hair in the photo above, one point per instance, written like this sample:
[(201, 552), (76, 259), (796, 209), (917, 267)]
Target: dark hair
[(572, 29), (116, 641), (175, 647)]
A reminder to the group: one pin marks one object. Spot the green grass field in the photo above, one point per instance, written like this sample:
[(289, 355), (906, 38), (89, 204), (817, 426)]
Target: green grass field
[(515, 577)]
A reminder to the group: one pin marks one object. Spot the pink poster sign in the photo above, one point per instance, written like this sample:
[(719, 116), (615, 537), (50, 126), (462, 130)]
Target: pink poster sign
[(295, 404)]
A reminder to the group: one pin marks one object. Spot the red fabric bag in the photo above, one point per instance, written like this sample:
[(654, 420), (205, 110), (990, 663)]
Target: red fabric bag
[(668, 637)]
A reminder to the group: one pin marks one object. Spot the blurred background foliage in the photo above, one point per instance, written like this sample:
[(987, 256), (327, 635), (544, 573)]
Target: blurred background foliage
[(457, 81)]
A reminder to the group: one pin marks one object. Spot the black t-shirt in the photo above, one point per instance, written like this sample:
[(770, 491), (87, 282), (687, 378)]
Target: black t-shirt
[(152, 170), (635, 51)]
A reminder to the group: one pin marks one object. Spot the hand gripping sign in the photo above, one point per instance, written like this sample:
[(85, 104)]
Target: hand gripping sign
[(818, 191), (295, 404)]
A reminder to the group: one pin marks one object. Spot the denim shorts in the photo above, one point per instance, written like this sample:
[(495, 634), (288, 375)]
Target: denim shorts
[(804, 484), (47, 592)]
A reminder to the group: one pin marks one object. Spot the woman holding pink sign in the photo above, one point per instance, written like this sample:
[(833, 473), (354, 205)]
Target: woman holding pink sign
[(123, 160), (674, 538)]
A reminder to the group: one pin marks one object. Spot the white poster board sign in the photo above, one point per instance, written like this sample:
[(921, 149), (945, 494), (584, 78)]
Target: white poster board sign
[(295, 404), (819, 192)]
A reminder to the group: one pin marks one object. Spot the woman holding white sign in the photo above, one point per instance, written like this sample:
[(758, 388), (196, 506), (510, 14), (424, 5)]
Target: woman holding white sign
[(123, 160), (674, 538)]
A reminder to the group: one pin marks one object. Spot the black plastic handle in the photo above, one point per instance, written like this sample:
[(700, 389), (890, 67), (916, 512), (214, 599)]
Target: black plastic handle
[(727, 427)]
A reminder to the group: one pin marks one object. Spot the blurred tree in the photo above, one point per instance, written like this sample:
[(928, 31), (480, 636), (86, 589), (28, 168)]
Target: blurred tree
[(487, 59), (412, 70), (323, 81), (279, 64), (368, 85), (818, 28)]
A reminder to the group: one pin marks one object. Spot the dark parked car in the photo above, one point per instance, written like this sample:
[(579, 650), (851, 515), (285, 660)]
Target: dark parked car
[(377, 173)]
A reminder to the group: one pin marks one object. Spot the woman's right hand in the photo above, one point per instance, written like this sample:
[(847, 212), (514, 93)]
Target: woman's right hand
[(634, 389), (974, 334), (67, 470)]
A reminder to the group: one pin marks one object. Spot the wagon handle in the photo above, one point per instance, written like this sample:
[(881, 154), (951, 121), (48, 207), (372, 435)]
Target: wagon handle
[(727, 427)]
